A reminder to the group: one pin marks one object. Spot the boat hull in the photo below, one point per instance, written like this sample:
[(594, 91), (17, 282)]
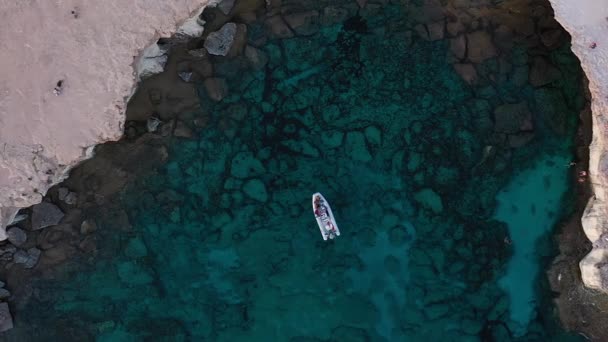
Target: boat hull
[(325, 217)]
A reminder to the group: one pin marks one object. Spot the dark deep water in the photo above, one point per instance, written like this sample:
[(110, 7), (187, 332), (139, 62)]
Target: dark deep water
[(445, 191)]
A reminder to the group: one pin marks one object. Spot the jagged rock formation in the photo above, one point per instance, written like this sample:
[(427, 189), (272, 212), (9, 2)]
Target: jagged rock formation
[(65, 79), (587, 22)]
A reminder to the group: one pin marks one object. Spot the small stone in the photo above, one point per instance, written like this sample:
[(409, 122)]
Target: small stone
[(226, 6), (20, 257), (454, 28), (512, 118), (239, 41), (422, 31), (28, 258), (87, 227), (467, 72), (278, 28), (152, 124), (185, 76), (458, 46), (429, 199), (65, 195), (245, 165), (356, 147), (62, 192), (16, 236), (256, 57), (7, 251), (45, 214), (217, 88), (436, 30), (71, 198), (200, 53), (256, 190), (333, 15), (219, 42), (34, 255), (183, 131), (4, 293), (6, 319), (303, 23)]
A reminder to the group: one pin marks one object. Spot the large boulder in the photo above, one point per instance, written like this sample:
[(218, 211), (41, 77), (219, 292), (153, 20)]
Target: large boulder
[(45, 214), (480, 46)]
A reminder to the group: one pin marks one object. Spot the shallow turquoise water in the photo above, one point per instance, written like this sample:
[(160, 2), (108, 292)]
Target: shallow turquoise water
[(224, 246)]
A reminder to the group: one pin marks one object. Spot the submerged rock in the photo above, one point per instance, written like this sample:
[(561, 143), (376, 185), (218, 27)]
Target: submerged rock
[(28, 258), (256, 189), (217, 88), (226, 6), (16, 236), (512, 118), (480, 46), (6, 319), (245, 165), (45, 214)]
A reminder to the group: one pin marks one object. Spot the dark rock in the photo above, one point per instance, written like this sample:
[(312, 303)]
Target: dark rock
[(467, 72), (543, 72), (185, 76), (256, 57), (16, 236), (155, 96), (503, 37), (50, 237), (6, 319), (512, 118), (7, 251), (217, 88), (480, 46), (45, 214), (28, 258), (226, 6), (553, 109), (239, 42), (303, 23), (87, 227), (4, 293), (436, 30), (520, 139), (183, 131), (454, 28), (278, 28), (422, 31), (458, 46), (333, 15)]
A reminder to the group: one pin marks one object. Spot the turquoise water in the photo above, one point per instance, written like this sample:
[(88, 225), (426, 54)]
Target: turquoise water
[(440, 216)]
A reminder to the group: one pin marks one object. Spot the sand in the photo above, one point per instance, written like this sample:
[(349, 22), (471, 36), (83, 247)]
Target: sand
[(66, 73)]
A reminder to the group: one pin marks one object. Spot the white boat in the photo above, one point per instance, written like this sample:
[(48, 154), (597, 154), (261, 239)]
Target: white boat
[(325, 218)]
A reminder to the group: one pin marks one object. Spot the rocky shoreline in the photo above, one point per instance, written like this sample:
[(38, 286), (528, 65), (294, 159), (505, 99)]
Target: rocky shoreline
[(60, 229)]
